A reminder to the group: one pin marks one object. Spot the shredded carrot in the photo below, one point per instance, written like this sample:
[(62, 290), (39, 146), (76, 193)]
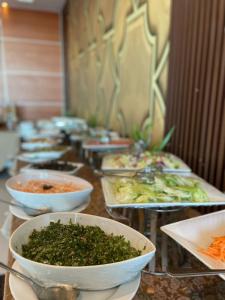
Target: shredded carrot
[(216, 249)]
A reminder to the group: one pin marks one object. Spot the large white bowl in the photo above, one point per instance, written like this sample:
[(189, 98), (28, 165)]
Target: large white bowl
[(87, 277), (54, 201)]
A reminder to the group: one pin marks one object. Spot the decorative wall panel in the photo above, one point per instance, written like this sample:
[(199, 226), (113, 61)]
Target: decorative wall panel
[(136, 40), (117, 56)]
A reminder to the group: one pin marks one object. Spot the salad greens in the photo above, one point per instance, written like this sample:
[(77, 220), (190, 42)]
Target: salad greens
[(143, 132), (166, 188), (76, 245), (165, 141), (92, 121)]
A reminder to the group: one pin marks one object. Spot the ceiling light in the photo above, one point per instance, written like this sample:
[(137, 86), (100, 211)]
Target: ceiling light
[(4, 4)]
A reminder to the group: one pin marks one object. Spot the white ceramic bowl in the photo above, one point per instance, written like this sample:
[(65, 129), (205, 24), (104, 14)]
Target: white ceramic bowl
[(87, 277), (55, 201)]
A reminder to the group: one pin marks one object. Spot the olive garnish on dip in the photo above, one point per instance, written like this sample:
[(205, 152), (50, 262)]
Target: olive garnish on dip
[(47, 186)]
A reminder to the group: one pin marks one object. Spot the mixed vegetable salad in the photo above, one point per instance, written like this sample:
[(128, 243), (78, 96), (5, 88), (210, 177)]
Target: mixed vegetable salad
[(164, 188), (145, 159)]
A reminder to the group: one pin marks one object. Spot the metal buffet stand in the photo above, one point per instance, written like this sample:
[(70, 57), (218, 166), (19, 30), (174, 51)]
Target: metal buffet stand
[(171, 259)]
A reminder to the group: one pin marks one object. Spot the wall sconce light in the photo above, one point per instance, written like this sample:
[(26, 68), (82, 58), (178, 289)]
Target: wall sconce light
[(4, 4)]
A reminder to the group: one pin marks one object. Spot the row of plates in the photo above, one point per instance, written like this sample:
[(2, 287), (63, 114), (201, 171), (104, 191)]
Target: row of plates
[(193, 234)]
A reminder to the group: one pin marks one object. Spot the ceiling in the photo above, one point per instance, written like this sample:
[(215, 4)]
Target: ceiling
[(41, 5)]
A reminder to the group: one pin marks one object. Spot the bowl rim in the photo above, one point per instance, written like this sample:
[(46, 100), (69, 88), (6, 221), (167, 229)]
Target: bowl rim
[(89, 186), (15, 253)]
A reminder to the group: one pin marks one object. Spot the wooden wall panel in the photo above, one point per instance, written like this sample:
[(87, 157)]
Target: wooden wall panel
[(35, 113), (31, 25), (116, 60), (34, 88), (1, 90), (196, 88), (33, 57), (31, 52)]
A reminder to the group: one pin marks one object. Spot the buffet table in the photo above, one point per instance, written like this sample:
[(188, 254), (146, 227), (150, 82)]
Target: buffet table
[(152, 287)]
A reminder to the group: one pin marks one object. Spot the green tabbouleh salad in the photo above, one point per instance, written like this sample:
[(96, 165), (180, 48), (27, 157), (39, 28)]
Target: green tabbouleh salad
[(76, 245), (165, 188)]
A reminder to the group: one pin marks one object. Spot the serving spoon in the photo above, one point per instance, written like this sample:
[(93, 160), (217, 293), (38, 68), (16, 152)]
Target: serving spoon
[(28, 210), (46, 291), (143, 176)]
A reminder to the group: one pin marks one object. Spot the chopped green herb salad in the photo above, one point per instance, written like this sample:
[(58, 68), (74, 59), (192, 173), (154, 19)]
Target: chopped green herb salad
[(165, 188), (76, 245)]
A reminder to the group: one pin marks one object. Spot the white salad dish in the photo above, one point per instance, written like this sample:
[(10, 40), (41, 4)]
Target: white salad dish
[(55, 201), (197, 233), (95, 277), (22, 291), (131, 163), (214, 196), (21, 214)]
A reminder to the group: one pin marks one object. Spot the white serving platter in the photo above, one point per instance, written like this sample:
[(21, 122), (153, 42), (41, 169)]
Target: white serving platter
[(42, 156), (30, 146), (107, 165), (21, 214), (197, 233), (77, 138), (215, 197), (87, 145), (39, 157), (22, 291), (77, 167)]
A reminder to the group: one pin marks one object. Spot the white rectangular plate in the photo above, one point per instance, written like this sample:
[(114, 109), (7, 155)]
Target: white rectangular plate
[(197, 233), (104, 147), (106, 165), (215, 197)]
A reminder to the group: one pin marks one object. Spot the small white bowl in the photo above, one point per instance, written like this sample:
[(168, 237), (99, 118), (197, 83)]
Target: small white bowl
[(97, 277), (54, 201)]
